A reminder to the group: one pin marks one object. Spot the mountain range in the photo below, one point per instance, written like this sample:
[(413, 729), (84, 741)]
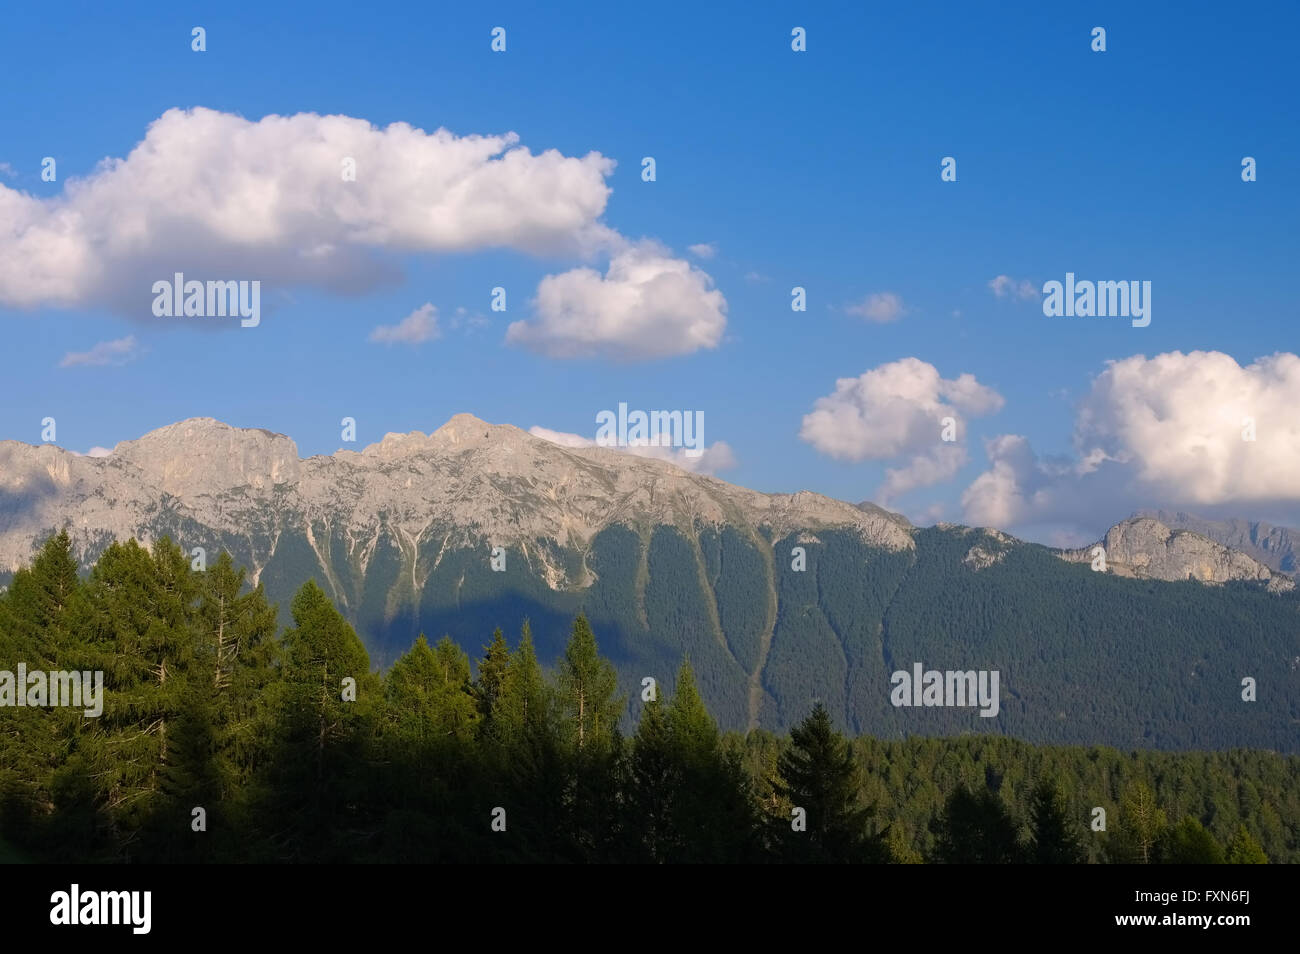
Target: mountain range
[(779, 600)]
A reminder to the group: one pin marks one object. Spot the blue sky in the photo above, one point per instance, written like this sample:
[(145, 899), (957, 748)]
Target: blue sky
[(817, 169)]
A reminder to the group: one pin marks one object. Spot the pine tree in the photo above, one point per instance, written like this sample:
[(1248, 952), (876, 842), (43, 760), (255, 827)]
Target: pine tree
[(33, 615), (587, 684), (525, 702), (655, 778), (237, 644), (1188, 843), (37, 627), (138, 627), (589, 712), (1243, 849), (976, 828), (492, 674), (1141, 825), (819, 774), (715, 808), (530, 769), (1054, 839), (320, 764)]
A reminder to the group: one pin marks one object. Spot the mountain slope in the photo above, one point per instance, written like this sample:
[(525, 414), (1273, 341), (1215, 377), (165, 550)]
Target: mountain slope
[(779, 600)]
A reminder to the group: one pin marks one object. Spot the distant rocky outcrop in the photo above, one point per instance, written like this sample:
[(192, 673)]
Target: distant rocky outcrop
[(1278, 548), (1147, 548)]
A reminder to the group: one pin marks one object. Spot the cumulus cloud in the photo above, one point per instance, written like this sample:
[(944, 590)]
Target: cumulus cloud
[(894, 413), (1004, 286), (332, 202), (117, 352), (881, 307), (705, 250), (1166, 431), (218, 196), (418, 327), (717, 457), (646, 305)]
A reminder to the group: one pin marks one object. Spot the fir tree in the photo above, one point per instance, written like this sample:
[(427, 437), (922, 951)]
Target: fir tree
[(1141, 826), (1188, 843), (1243, 849), (587, 685), (492, 674), (1054, 839), (976, 828), (819, 774)]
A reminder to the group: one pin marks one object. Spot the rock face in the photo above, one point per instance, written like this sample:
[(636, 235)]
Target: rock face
[(1146, 548), (1278, 548), (467, 483)]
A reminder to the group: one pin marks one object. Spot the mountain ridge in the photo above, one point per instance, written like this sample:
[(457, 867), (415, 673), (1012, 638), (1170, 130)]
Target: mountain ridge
[(779, 600)]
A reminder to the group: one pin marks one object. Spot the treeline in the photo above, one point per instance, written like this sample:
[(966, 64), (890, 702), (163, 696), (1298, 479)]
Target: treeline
[(224, 739)]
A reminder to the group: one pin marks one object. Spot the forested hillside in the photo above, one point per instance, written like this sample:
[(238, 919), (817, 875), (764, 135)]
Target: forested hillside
[(224, 738)]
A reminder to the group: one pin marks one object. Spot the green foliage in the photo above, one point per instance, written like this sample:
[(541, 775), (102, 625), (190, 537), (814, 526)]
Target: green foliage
[(587, 686), (1188, 843), (819, 775), (296, 750), (1054, 836), (976, 829), (1244, 849)]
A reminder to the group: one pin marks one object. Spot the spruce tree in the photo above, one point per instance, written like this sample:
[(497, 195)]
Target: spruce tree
[(976, 828), (819, 774), (531, 771), (587, 684), (714, 809), (1188, 843), (654, 783), (320, 763), (492, 674), (1243, 849), (1054, 838), (589, 709), (1141, 826)]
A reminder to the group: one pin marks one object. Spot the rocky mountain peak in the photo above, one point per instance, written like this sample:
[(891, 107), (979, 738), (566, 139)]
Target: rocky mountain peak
[(205, 457), (467, 483), (1146, 548)]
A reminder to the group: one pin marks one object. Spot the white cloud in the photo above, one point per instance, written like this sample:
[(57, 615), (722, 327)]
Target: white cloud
[(7, 170), (99, 452), (705, 250), (1004, 286), (716, 457), (217, 196), (116, 352), (1164, 431), (755, 278), (646, 305), (418, 327), (880, 307), (894, 413)]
